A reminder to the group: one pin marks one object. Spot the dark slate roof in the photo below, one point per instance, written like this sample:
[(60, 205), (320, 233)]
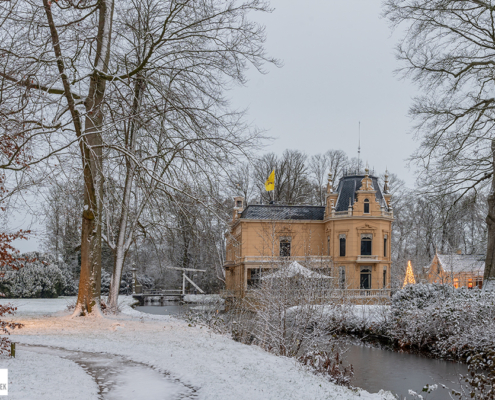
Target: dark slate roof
[(348, 186), (279, 212)]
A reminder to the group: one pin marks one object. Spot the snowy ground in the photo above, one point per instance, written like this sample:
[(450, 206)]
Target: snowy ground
[(149, 357)]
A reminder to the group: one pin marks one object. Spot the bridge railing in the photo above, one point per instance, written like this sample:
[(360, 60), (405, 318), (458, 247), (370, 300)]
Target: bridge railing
[(161, 292)]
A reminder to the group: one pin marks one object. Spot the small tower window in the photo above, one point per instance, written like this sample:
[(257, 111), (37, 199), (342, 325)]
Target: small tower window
[(238, 204), (385, 246), (285, 248), (384, 276), (342, 245), (328, 245), (366, 244), (366, 206)]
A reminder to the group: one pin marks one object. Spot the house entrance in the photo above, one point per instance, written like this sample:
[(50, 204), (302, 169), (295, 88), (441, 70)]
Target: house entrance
[(365, 282)]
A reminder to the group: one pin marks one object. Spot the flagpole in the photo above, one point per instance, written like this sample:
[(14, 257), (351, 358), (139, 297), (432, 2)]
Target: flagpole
[(274, 187)]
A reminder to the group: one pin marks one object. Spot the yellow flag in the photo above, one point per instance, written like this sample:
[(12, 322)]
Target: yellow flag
[(270, 182)]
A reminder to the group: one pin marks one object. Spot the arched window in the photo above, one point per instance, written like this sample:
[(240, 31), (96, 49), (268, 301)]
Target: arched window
[(366, 206), (366, 244), (342, 245), (285, 248)]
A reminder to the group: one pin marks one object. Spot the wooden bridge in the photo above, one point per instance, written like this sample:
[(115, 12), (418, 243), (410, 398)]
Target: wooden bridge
[(146, 295)]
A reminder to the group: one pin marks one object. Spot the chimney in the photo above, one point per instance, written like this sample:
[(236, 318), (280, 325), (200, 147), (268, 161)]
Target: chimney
[(459, 251)]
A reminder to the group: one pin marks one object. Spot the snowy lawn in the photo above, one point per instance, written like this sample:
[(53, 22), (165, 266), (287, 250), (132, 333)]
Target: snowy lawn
[(215, 366)]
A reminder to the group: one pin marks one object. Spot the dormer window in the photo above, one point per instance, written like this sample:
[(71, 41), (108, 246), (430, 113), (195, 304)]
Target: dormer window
[(238, 203), (366, 206)]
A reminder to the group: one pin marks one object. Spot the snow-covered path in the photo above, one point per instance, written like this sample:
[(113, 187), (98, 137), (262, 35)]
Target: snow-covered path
[(214, 365), (116, 376)]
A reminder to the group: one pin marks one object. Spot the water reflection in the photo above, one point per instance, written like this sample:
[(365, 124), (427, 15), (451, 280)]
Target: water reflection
[(376, 369), (168, 308), (175, 308)]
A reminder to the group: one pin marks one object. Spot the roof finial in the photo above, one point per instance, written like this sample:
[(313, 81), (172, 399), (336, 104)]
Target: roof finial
[(386, 187), (329, 184)]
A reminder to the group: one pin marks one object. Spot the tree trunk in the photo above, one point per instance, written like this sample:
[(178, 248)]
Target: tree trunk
[(489, 277), (120, 247), (122, 244), (88, 299)]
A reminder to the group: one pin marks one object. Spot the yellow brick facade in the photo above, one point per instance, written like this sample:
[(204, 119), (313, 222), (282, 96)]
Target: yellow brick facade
[(254, 244)]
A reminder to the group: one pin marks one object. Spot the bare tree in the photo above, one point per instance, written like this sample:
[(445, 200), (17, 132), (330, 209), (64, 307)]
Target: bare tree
[(333, 162), (62, 209), (292, 185), (448, 49), (319, 169), (240, 181), (66, 64)]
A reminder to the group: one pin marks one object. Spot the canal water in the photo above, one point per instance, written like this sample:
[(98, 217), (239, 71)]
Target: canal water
[(175, 308), (169, 308), (375, 369)]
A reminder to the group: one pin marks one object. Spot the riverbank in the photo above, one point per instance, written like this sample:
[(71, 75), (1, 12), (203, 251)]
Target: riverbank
[(214, 365), (433, 320)]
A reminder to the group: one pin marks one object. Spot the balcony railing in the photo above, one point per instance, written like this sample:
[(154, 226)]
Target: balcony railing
[(301, 259), (367, 259), (278, 260), (321, 293), (363, 292), (345, 214)]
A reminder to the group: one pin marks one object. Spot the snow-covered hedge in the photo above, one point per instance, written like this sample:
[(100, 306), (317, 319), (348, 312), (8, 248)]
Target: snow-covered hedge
[(126, 282), (443, 320), (41, 276)]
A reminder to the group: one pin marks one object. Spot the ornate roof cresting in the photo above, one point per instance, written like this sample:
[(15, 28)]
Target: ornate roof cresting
[(367, 182)]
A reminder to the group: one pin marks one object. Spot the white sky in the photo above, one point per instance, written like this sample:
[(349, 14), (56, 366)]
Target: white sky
[(338, 70)]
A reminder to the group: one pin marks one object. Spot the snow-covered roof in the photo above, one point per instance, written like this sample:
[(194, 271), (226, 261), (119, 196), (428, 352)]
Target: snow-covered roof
[(295, 269), (462, 263)]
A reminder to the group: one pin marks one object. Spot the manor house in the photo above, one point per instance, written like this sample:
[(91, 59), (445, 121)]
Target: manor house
[(349, 237)]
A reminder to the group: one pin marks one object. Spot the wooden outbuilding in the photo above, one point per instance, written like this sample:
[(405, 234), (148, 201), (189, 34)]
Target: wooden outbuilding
[(459, 270)]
